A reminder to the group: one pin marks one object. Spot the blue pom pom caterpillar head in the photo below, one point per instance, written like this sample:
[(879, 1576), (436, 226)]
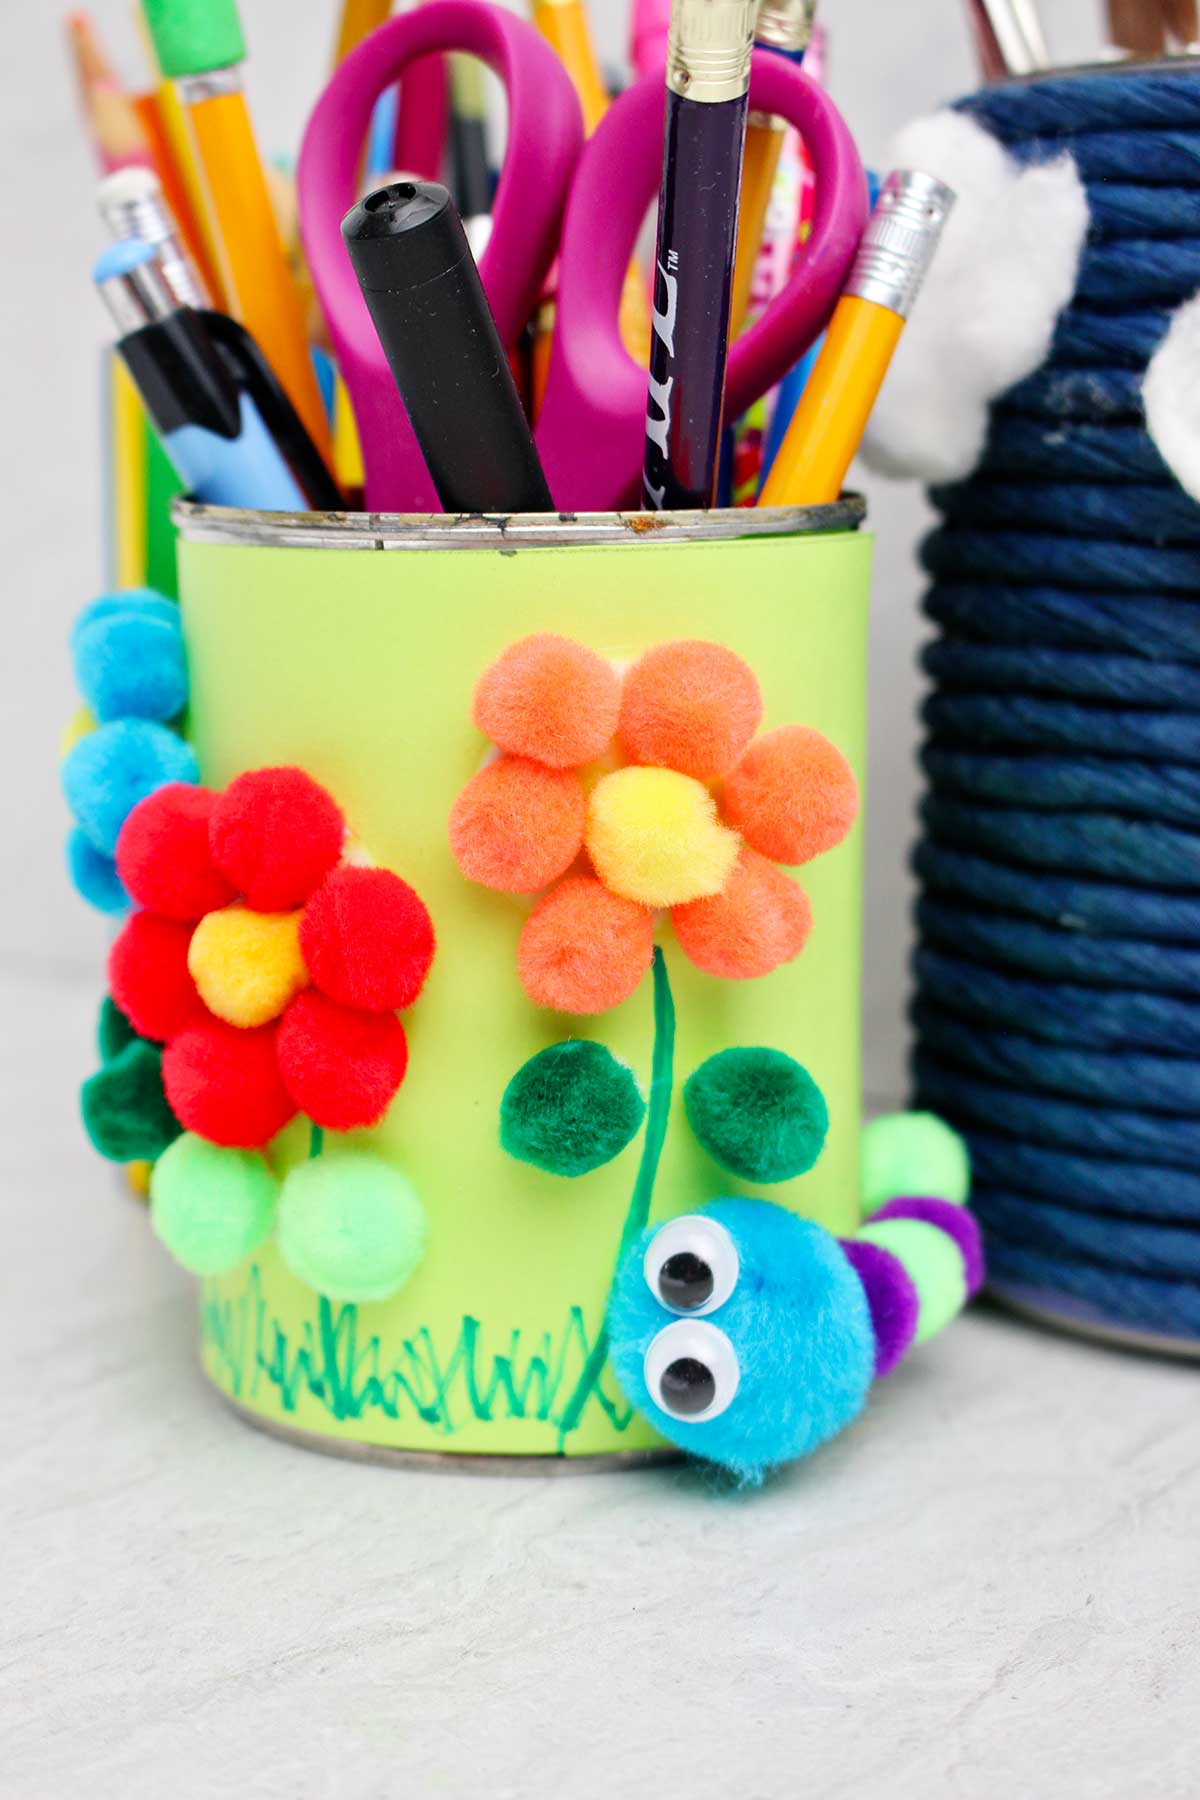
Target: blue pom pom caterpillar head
[(742, 1333)]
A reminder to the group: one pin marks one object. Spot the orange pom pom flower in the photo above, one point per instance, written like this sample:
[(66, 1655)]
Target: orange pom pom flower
[(688, 815)]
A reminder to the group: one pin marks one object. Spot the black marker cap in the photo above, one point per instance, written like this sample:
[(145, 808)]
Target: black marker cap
[(420, 212), (423, 291)]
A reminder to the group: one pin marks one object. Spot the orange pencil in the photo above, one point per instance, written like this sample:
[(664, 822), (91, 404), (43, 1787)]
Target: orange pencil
[(116, 130), (202, 48)]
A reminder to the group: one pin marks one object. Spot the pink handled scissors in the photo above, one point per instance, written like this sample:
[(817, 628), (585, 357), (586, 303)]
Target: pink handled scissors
[(591, 429), (545, 132)]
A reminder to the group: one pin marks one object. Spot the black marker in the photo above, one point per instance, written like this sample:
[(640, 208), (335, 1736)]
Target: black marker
[(423, 292)]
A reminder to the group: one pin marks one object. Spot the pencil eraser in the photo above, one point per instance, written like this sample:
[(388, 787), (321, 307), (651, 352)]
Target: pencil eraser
[(192, 37)]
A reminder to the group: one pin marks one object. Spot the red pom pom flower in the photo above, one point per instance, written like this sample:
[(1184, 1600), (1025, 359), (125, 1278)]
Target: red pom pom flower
[(270, 970)]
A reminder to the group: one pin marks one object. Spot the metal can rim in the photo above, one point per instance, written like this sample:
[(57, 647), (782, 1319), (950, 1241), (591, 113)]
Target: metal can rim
[(199, 524)]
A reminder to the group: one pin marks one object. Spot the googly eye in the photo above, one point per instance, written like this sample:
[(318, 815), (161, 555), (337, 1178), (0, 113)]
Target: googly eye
[(691, 1370), (691, 1265)]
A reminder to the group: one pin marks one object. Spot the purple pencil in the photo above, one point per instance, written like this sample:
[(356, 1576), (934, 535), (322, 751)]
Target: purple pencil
[(708, 79)]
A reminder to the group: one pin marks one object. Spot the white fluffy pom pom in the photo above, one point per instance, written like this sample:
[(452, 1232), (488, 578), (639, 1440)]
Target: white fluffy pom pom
[(1171, 397), (984, 319)]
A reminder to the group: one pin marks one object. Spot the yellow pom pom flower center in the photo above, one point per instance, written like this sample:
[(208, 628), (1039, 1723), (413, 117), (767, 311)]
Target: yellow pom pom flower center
[(247, 965), (653, 836)]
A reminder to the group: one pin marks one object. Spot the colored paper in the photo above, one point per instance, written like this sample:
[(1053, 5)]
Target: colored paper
[(359, 667)]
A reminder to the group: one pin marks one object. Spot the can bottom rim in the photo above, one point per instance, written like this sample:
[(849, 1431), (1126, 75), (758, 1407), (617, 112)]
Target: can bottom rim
[(450, 1462)]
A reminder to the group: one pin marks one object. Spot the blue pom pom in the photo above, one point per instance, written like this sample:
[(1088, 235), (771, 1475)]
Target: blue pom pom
[(146, 602), (106, 773), (95, 875), (766, 1348), (131, 665)]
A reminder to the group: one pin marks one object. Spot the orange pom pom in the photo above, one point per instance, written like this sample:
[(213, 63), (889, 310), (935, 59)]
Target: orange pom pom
[(551, 699), (793, 795), (584, 950), (761, 920), (517, 826), (689, 706)]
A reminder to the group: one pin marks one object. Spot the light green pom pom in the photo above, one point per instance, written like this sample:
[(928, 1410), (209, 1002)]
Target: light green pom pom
[(211, 1206), (933, 1261), (913, 1155), (352, 1227)]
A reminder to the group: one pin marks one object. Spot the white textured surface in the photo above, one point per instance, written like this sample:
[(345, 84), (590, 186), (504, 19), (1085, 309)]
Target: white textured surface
[(988, 1589)]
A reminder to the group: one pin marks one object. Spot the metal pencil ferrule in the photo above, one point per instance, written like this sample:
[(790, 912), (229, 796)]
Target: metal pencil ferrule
[(210, 85), (785, 24), (900, 239), (140, 296), (708, 49), (145, 217)]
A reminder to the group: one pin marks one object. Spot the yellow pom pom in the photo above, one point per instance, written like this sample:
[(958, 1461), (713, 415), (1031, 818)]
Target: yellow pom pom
[(137, 1176), (653, 836), (247, 965), (81, 723)]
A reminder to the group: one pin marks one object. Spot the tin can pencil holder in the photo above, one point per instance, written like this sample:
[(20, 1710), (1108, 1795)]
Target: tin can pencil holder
[(486, 1005), (350, 649)]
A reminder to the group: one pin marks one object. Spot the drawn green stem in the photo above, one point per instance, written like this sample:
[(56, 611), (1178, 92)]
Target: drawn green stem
[(658, 1112)]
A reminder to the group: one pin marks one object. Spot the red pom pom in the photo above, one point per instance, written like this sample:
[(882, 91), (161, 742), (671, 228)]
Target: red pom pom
[(224, 1084), (341, 1067), (148, 976), (367, 940), (163, 855), (276, 834)]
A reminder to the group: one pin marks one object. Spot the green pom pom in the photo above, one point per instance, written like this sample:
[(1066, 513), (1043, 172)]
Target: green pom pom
[(933, 1261), (350, 1226), (113, 1030), (211, 1206), (193, 36), (571, 1108), (758, 1113), (910, 1155), (125, 1111)]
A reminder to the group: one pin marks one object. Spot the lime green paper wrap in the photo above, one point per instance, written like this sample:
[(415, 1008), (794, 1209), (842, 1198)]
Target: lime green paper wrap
[(359, 667)]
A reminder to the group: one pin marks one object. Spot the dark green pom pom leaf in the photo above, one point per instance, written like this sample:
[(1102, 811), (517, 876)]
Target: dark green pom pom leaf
[(113, 1030), (125, 1111), (758, 1113), (570, 1109)]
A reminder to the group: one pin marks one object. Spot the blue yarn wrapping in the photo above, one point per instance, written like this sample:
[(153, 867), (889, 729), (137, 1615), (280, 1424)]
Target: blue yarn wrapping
[(1007, 942), (1111, 1019), (1090, 675), (1057, 1007)]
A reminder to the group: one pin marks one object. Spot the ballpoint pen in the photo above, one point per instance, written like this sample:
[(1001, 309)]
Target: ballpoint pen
[(202, 49), (224, 420), (708, 80)]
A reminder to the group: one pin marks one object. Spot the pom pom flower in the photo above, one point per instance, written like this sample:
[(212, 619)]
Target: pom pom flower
[(259, 978), (645, 831), (271, 974)]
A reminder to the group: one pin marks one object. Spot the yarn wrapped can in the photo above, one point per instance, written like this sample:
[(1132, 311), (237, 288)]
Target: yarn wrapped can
[(350, 647), (1059, 920)]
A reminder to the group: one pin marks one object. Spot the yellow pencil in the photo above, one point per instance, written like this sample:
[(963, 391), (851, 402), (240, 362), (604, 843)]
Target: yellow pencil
[(760, 159), (202, 49), (359, 18), (564, 25), (827, 425), (127, 449)]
